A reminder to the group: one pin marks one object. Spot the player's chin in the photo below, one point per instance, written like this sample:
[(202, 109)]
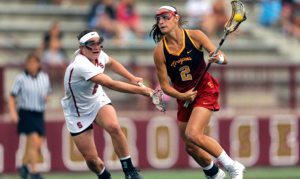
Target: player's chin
[(163, 30)]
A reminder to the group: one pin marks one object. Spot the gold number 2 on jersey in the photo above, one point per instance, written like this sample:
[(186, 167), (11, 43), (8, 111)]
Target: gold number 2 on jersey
[(185, 73)]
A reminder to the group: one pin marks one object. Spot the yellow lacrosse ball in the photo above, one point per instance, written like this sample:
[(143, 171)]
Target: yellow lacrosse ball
[(238, 17)]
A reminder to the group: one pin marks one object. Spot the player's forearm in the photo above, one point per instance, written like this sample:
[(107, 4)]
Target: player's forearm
[(170, 91), (125, 87), (12, 107), (121, 70)]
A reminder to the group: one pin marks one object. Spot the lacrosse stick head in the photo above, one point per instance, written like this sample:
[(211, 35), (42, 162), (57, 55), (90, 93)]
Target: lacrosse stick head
[(238, 9), (158, 100)]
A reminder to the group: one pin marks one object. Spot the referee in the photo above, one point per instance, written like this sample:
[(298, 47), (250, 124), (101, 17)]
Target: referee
[(26, 106)]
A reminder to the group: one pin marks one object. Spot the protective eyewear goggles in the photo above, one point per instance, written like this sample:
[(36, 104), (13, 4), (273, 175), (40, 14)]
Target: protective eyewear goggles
[(92, 44), (164, 16)]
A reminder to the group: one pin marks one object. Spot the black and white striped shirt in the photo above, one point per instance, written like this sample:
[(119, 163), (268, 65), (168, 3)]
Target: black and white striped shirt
[(31, 91)]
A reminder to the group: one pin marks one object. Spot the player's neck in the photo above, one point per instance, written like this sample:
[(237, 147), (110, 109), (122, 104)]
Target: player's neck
[(94, 61), (175, 37)]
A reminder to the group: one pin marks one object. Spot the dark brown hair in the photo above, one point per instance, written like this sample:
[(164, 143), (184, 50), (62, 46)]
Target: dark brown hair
[(33, 55), (82, 33)]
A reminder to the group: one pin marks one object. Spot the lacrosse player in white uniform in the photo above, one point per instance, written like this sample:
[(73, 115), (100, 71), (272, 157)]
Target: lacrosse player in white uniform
[(85, 103)]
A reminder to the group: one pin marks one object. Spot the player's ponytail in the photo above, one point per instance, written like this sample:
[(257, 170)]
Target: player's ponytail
[(155, 33)]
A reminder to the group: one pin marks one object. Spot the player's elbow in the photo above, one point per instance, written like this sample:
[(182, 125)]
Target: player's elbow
[(104, 80)]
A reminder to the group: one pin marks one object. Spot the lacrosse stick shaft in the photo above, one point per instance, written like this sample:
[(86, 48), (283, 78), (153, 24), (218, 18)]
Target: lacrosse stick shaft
[(141, 84), (231, 25), (226, 32)]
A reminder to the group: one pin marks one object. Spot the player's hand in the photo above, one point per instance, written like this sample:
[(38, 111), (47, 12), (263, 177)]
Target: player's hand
[(136, 80), (146, 91), (190, 95), (216, 58)]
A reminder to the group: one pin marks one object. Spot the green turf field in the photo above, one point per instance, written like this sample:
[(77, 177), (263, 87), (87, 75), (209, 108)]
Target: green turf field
[(251, 173)]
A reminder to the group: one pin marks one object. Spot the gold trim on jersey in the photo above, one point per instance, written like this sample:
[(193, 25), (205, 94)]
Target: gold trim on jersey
[(188, 34), (182, 48)]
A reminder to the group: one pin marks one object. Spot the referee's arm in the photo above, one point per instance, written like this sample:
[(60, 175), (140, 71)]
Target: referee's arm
[(12, 108)]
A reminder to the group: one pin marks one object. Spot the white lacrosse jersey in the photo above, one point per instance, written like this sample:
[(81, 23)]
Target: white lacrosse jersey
[(83, 98)]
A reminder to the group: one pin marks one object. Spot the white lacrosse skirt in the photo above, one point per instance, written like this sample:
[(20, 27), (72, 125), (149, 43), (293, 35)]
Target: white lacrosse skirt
[(76, 124)]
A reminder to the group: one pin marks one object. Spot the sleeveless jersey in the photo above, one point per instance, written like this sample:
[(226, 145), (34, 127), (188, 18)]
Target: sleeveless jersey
[(185, 66)]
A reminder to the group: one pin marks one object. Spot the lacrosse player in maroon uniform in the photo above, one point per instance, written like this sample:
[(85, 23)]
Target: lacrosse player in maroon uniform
[(179, 56)]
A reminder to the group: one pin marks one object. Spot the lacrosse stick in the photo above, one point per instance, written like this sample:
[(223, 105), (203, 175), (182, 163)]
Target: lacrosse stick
[(157, 97), (238, 15)]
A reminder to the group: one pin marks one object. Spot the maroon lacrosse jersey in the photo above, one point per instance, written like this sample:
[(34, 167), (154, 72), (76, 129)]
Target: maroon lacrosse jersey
[(184, 69)]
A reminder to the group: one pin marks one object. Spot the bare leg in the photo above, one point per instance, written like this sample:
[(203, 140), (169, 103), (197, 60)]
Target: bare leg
[(86, 145), (34, 142), (199, 155), (107, 118), (195, 132), (210, 169)]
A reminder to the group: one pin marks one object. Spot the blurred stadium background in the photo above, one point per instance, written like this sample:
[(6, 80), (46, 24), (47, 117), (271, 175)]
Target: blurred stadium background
[(258, 123)]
